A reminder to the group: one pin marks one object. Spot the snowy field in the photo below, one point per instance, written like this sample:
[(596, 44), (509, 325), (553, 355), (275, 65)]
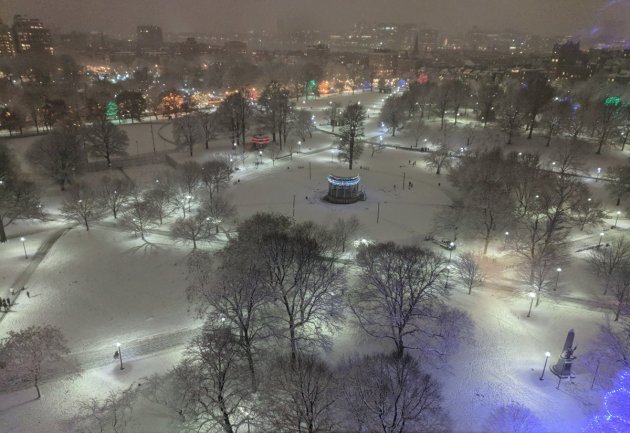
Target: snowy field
[(105, 286)]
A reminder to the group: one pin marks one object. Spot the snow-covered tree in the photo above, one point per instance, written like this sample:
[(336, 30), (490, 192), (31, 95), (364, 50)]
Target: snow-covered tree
[(351, 134), (31, 355), (105, 139), (392, 393), (400, 287), (468, 268), (115, 193), (513, 418), (83, 205)]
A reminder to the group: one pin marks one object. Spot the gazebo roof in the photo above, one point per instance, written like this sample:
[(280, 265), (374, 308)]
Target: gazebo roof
[(344, 180)]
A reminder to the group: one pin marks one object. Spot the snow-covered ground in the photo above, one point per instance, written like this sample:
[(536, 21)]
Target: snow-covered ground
[(105, 286)]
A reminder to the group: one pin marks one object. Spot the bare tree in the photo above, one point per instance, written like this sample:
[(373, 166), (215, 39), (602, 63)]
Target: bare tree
[(399, 289), (116, 193), (215, 174), (113, 414), (232, 295), (139, 216), (273, 151), (605, 261), (608, 353), (209, 382), (510, 112), (351, 133), (186, 132), (487, 93), (333, 114), (59, 155), (344, 229), (390, 394), (83, 205), (469, 271), (417, 128), (160, 198), (106, 139), (534, 96), (33, 354), (188, 176), (302, 121), (621, 288), (300, 396), (192, 229), (207, 123), (618, 182), (19, 198), (217, 211), (301, 274), (392, 113), (513, 418), (439, 159), (588, 212)]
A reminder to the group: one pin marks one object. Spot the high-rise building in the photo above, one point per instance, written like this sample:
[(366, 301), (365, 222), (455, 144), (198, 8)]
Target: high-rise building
[(149, 37), (7, 44), (31, 35)]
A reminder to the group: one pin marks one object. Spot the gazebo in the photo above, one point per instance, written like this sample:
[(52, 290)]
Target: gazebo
[(344, 190)]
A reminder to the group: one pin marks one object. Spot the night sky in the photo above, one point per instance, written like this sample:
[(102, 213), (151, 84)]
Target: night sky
[(551, 17)]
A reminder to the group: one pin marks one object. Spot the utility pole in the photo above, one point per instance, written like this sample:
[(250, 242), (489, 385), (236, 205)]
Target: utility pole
[(378, 211)]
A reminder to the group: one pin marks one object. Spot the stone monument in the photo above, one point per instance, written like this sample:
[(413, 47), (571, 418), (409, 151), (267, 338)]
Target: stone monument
[(562, 368)]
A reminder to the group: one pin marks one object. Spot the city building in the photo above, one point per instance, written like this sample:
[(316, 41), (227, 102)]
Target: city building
[(31, 36), (235, 47), (383, 63), (7, 43), (149, 37)]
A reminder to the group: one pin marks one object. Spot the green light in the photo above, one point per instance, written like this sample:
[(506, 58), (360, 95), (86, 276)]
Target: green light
[(112, 110), (612, 100)]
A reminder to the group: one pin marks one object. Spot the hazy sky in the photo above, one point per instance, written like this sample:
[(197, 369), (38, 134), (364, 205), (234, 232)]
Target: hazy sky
[(555, 17)]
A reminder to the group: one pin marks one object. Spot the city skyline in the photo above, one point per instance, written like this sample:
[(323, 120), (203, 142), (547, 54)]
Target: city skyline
[(563, 17)]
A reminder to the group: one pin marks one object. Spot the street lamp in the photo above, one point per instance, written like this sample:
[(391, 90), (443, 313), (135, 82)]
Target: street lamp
[(599, 171), (119, 352), (532, 295), (557, 278), (448, 266), (547, 355), (617, 219), (24, 246), (601, 235), (299, 147)]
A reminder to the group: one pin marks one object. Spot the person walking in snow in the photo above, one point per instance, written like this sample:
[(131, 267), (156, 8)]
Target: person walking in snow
[(28, 294)]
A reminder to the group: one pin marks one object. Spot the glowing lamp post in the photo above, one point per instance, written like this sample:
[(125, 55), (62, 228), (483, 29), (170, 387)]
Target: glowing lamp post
[(547, 355), (24, 246), (119, 355), (601, 235), (557, 278), (531, 295), (299, 147), (617, 219)]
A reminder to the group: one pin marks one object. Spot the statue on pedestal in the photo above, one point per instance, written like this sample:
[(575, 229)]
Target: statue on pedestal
[(562, 368)]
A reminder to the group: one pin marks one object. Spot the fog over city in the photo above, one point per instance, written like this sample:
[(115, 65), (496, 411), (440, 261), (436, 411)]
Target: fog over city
[(557, 17)]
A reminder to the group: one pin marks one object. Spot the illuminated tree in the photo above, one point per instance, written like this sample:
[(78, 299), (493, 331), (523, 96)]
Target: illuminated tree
[(171, 102), (615, 415)]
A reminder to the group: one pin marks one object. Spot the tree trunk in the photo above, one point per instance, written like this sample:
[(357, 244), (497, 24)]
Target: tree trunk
[(531, 125), (3, 235), (485, 244), (39, 394), (252, 368), (620, 304)]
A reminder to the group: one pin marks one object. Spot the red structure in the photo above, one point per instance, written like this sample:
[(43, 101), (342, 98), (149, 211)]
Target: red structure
[(258, 141)]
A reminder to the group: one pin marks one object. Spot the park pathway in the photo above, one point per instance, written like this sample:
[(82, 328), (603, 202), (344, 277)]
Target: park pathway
[(24, 276)]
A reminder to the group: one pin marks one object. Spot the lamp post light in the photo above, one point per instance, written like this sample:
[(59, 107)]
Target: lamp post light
[(599, 171), (120, 356), (532, 295), (601, 235), (448, 266), (557, 278), (617, 218), (547, 355), (299, 147), (24, 246)]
